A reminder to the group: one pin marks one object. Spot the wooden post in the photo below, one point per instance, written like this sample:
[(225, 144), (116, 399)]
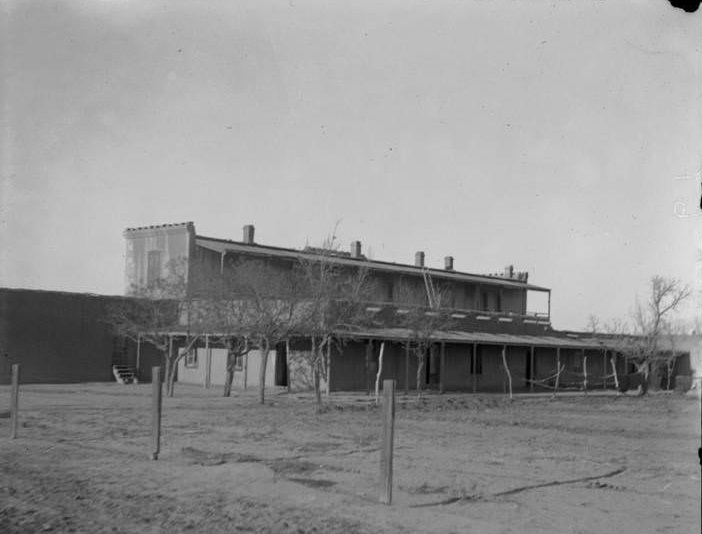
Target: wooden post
[(155, 412), (475, 367), (533, 369), (206, 373), (407, 373), (328, 366), (386, 451), (246, 370), (584, 371), (169, 366), (509, 375), (604, 369), (380, 371), (558, 371), (14, 400), (369, 354), (287, 363), (138, 355), (442, 367)]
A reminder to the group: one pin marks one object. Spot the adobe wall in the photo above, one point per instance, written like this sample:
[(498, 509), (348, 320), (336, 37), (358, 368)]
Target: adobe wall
[(55, 337)]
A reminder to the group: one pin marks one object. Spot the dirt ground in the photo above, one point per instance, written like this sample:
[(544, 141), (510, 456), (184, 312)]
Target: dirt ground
[(463, 463)]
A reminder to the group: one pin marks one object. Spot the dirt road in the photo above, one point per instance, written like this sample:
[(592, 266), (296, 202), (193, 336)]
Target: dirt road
[(463, 464)]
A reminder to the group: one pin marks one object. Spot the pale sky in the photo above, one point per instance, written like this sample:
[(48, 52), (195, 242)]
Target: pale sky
[(555, 136)]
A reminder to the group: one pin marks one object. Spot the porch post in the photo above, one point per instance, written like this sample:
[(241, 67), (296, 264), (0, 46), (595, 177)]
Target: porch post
[(604, 369), (475, 364), (584, 371), (208, 362), (138, 354), (407, 360), (533, 370), (369, 352), (442, 366)]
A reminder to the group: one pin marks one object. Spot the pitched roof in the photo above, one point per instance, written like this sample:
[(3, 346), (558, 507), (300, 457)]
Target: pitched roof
[(225, 246)]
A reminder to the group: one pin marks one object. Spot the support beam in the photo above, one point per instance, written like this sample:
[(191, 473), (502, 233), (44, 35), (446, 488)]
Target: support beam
[(475, 367), (14, 400), (407, 365), (533, 369), (208, 363), (442, 368), (287, 364), (604, 369), (138, 356), (369, 354), (507, 371), (246, 370), (584, 371), (558, 371)]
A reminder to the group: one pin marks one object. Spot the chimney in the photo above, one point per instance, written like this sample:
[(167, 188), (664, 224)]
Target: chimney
[(356, 249), (509, 271), (419, 259), (448, 263), (249, 234)]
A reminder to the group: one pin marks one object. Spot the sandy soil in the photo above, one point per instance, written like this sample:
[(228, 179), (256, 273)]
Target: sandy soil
[(462, 464)]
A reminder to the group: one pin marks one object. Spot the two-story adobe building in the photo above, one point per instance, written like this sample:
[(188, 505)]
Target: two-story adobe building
[(491, 314)]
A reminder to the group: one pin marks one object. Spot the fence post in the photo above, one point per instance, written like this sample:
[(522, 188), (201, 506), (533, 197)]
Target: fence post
[(387, 446), (14, 400), (155, 412)]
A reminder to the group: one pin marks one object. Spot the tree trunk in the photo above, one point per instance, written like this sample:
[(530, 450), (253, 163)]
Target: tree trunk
[(231, 368), (614, 372), (644, 372), (265, 349), (509, 375), (169, 367), (317, 385), (316, 363), (380, 371), (420, 372)]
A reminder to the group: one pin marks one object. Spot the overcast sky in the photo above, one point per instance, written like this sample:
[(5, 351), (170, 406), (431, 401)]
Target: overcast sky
[(555, 136)]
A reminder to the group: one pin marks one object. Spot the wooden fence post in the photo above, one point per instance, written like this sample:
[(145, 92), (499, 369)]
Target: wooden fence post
[(14, 400), (155, 412), (386, 451)]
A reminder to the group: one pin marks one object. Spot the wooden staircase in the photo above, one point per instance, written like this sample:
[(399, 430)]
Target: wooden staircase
[(124, 374)]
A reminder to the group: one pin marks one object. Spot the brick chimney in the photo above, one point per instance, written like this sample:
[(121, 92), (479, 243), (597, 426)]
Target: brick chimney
[(448, 263), (249, 234), (509, 271), (419, 259), (356, 249)]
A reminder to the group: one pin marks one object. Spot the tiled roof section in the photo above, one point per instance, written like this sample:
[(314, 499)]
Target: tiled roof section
[(224, 245), (158, 226)]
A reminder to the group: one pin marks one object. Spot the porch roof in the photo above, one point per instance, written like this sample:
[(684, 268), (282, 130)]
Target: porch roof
[(486, 338)]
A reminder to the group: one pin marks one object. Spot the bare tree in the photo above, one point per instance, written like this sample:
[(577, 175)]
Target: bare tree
[(154, 312), (335, 295), (423, 317), (265, 308), (642, 343)]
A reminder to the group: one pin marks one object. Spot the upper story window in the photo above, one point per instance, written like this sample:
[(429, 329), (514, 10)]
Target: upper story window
[(153, 266)]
